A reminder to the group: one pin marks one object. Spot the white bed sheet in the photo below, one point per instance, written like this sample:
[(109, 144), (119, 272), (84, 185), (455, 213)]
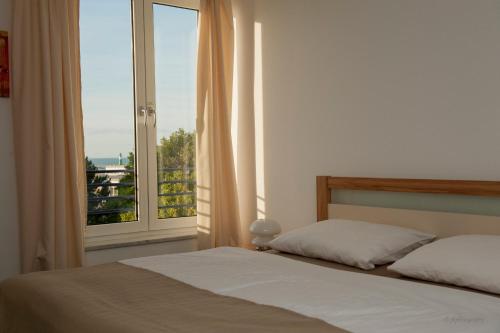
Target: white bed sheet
[(353, 301)]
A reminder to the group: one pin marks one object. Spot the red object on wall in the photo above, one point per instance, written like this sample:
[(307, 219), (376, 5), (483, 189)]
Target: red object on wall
[(4, 64)]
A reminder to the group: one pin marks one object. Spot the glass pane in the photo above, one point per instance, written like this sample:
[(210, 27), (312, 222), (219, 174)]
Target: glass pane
[(175, 42), (108, 109)]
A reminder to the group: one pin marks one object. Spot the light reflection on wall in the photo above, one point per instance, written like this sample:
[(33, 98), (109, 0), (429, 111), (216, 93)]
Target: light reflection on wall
[(259, 122), (235, 102)]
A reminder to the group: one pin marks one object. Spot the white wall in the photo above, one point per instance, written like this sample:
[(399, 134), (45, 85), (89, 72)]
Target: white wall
[(392, 88), (9, 245)]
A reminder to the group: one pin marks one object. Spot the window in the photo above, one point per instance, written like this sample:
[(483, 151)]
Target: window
[(138, 61)]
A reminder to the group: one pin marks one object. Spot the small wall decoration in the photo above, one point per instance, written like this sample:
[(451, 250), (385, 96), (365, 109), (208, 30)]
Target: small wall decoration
[(4, 64)]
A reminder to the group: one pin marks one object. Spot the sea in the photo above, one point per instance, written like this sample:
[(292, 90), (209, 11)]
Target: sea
[(102, 162)]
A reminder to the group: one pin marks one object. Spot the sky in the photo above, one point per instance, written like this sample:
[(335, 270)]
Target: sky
[(108, 78)]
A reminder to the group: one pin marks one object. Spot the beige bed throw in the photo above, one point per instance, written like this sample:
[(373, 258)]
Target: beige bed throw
[(116, 298)]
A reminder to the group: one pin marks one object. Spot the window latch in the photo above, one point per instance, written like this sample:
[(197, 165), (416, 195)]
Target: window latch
[(151, 112), (141, 112)]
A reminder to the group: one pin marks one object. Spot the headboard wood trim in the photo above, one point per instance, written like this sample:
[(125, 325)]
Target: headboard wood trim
[(325, 184), (323, 197)]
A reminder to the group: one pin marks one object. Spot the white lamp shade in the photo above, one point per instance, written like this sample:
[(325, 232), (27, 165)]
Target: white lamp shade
[(264, 231)]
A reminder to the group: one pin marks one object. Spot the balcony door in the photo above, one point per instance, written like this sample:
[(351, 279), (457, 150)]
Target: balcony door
[(139, 103)]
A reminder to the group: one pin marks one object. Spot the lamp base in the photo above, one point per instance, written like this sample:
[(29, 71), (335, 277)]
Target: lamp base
[(261, 242)]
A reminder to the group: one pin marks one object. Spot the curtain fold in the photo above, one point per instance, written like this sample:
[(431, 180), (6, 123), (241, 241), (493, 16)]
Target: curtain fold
[(48, 133), (218, 216)]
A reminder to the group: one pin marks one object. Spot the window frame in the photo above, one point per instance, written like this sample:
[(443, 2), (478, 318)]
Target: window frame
[(147, 225), (154, 222)]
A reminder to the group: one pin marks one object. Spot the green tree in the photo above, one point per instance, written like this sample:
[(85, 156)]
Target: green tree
[(176, 162), (176, 183), (100, 198), (95, 194), (128, 191)]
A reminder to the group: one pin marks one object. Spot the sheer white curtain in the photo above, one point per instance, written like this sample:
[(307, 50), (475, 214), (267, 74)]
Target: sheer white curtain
[(218, 213)]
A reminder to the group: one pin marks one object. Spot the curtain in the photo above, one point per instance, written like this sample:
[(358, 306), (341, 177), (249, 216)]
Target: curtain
[(48, 133), (218, 217)]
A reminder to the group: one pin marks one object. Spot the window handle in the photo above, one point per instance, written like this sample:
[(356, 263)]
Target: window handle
[(141, 112), (151, 111)]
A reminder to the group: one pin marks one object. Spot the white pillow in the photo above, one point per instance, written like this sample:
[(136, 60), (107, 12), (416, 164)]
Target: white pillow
[(353, 243), (468, 261)]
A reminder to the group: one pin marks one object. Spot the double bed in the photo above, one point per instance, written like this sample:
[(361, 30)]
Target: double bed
[(237, 290)]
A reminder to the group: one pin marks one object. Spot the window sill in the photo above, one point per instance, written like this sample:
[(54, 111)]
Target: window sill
[(95, 243)]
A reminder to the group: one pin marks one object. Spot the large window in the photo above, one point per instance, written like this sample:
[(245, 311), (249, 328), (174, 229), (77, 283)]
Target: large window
[(138, 87)]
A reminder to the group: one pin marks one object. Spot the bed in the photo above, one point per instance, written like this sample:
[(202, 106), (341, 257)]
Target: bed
[(237, 290)]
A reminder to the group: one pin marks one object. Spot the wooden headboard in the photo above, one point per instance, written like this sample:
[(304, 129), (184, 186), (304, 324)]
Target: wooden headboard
[(325, 184)]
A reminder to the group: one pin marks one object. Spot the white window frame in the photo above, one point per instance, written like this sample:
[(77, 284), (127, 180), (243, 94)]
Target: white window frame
[(154, 222), (147, 226)]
